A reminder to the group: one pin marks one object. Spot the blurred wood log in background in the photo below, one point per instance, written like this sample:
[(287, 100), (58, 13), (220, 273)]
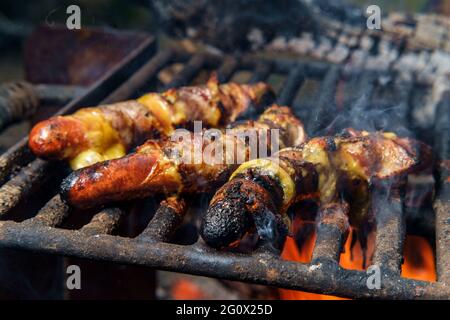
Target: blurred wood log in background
[(230, 25)]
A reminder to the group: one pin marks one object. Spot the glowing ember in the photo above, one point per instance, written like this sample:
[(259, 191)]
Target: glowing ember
[(419, 259), (186, 290), (353, 258), (292, 253), (419, 262)]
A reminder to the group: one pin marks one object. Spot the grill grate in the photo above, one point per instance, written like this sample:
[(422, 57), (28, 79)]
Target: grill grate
[(22, 175)]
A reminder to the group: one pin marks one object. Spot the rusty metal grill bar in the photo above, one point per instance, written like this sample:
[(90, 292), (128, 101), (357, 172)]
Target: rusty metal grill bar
[(226, 70), (190, 70), (390, 234), (140, 78), (21, 185), (162, 226), (328, 243), (330, 239), (442, 175), (104, 222), (259, 268), (290, 87), (442, 208), (92, 241), (326, 104), (261, 72), (52, 214)]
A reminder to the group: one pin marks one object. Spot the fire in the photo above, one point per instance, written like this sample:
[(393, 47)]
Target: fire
[(419, 259), (291, 252), (184, 289), (418, 263), (353, 258)]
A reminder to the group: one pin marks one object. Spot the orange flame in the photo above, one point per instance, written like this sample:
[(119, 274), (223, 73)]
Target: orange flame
[(292, 253), (352, 258), (418, 263), (184, 289)]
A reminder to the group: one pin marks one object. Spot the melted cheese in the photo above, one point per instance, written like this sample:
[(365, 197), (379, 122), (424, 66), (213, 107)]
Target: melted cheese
[(85, 158), (317, 155), (389, 135), (347, 160), (104, 141), (159, 107), (114, 152)]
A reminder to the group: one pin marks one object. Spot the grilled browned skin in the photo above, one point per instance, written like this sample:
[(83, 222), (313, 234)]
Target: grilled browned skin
[(376, 160), (258, 189), (319, 169), (107, 132), (167, 166)]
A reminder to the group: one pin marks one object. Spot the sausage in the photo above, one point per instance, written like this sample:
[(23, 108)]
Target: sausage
[(323, 169), (109, 131), (258, 193), (167, 166)]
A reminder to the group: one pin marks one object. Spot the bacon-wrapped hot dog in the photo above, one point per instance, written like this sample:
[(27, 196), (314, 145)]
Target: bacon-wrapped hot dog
[(320, 169), (106, 132), (196, 163)]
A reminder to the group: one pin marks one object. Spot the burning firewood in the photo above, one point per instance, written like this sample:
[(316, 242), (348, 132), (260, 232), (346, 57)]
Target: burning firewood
[(327, 169), (170, 166), (107, 132)]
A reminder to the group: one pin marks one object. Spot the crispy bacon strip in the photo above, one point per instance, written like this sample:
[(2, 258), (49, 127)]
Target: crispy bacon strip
[(168, 166), (106, 132)]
